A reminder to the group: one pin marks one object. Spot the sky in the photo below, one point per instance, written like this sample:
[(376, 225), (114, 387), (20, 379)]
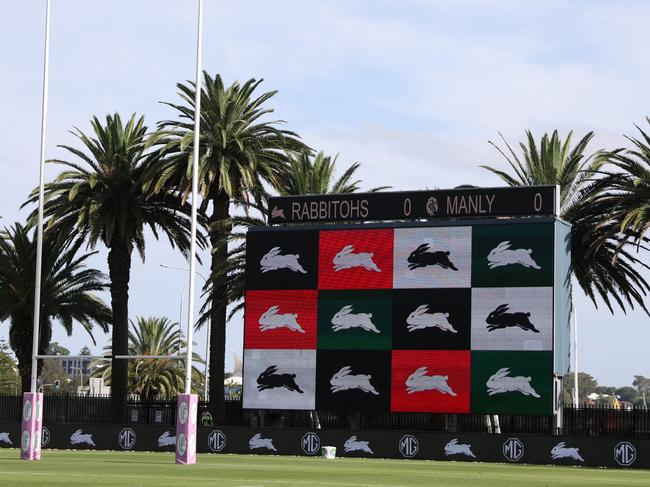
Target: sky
[(411, 89)]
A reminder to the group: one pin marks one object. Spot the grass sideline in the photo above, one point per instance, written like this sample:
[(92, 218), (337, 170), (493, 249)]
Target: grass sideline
[(102, 468)]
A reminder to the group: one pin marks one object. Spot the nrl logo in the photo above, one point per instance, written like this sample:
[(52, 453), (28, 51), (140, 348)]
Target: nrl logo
[(277, 213)]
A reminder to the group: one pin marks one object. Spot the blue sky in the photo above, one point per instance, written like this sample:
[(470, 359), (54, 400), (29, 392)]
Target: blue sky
[(412, 89)]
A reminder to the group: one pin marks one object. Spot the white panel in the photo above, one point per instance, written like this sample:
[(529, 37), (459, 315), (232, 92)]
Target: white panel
[(433, 266), (281, 392), (538, 301)]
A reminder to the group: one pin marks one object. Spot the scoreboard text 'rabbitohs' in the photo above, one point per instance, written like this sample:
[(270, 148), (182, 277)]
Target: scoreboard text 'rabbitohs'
[(445, 317)]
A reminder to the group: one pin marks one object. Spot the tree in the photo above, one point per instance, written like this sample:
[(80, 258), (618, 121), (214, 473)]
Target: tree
[(56, 349), (586, 385), (601, 256), (85, 351), (238, 151), (642, 385), (629, 190), (9, 378), (68, 291), (103, 199), (151, 378), (628, 394)]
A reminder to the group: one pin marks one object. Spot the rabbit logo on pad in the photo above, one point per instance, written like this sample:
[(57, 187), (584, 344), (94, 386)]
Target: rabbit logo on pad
[(270, 380), (455, 448), (347, 259), (502, 255), (419, 381), (271, 320), (166, 439), (274, 260), (420, 319), (498, 319), (4, 437), (561, 451), (343, 380), (420, 257), (500, 383), (344, 319), (352, 444), (258, 442), (79, 437)]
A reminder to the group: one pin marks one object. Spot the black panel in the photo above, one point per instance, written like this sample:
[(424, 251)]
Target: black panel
[(453, 332), (283, 270)]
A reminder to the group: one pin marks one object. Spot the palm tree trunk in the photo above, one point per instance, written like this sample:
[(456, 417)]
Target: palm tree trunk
[(20, 334), (218, 235), (119, 268)]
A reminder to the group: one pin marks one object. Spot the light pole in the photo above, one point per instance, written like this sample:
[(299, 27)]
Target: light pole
[(206, 372)]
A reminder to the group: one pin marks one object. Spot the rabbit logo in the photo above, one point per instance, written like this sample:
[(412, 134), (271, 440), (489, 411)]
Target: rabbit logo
[(455, 448), (270, 380), (502, 255), (420, 257), (343, 380), (274, 260), (271, 320), (344, 319), (500, 383), (562, 451), (499, 318), (419, 381), (420, 319), (4, 438), (277, 213), (347, 259), (352, 444), (79, 437), (166, 439), (258, 442)]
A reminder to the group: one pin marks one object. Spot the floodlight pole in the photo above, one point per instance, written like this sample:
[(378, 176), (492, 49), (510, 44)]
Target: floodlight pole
[(30, 445), (188, 402)]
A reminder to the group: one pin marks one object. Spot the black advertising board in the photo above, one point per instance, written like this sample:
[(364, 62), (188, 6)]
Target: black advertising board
[(414, 205), (509, 448)]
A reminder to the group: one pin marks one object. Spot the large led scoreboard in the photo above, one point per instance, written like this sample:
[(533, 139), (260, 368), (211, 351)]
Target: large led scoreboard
[(448, 316)]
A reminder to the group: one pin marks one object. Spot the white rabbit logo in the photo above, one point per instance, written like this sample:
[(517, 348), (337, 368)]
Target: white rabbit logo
[(420, 319), (79, 437), (4, 437), (501, 255), (347, 259), (344, 319), (271, 320), (455, 448), (274, 260), (561, 451), (258, 442), (166, 439), (343, 380), (419, 381), (500, 383), (352, 444)]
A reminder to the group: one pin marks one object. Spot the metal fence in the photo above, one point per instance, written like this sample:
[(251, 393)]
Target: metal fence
[(587, 420)]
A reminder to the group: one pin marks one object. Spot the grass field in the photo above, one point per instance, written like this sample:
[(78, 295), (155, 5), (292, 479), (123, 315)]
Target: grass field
[(131, 469)]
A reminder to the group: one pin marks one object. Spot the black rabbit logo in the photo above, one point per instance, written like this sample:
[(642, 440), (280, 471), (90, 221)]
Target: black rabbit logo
[(269, 380), (421, 258), (498, 319)]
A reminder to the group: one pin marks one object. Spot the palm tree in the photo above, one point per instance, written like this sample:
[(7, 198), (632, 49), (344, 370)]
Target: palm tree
[(601, 259), (304, 174), (160, 377), (103, 198), (629, 190), (67, 292), (238, 152)]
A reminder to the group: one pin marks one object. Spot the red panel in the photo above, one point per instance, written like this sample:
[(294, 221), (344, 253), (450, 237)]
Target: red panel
[(368, 264), (426, 395), (280, 328)]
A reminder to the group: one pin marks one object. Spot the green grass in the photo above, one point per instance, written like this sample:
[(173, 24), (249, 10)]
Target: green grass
[(133, 469)]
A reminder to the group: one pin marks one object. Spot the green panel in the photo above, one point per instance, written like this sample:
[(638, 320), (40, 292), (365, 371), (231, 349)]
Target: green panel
[(521, 365), (512, 266), (376, 303)]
